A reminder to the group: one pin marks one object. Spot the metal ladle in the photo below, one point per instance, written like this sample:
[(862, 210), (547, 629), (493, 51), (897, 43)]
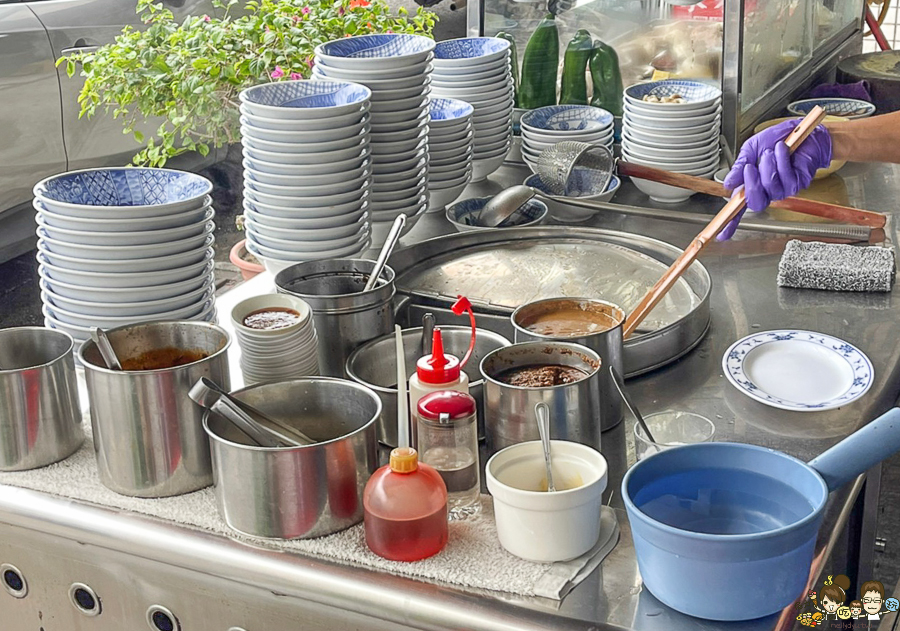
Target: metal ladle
[(386, 249), (504, 205), (542, 412), (106, 349), (617, 379)]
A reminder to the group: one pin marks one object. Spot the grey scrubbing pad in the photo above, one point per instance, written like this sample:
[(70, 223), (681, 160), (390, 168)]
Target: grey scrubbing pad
[(836, 267)]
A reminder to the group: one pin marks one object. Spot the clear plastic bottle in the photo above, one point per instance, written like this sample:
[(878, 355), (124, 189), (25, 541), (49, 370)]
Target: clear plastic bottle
[(448, 441), (405, 504)]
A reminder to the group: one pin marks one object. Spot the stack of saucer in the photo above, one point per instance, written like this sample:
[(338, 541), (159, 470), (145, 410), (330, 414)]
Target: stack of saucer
[(118, 246), (396, 68), (277, 337), (450, 144), (306, 170), (477, 70), (672, 125), (545, 126)]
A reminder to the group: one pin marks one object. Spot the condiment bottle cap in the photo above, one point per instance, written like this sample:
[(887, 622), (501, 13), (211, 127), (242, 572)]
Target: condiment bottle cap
[(438, 367), (404, 460), (449, 402)]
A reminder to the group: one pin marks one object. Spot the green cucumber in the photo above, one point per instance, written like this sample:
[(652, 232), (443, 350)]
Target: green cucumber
[(574, 82), (540, 66), (514, 61), (607, 78)]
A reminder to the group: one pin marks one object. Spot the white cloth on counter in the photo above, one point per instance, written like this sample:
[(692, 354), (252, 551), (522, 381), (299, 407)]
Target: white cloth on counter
[(473, 557)]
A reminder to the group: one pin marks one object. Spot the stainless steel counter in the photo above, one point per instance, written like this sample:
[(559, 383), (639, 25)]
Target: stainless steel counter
[(215, 583)]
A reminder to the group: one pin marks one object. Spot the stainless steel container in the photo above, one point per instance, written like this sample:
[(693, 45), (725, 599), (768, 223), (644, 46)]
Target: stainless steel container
[(509, 410), (374, 365), (40, 417), (298, 492), (345, 315), (148, 435), (607, 342)]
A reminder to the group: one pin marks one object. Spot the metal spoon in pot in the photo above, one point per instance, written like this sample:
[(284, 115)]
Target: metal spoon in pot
[(106, 349), (386, 249), (542, 412), (617, 379), (503, 205)]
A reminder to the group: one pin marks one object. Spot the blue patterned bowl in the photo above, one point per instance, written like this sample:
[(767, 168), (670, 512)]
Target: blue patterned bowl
[(388, 50), (448, 111), (464, 215), (567, 119), (311, 99), (695, 93), (469, 51), (848, 108), (126, 192), (584, 183)]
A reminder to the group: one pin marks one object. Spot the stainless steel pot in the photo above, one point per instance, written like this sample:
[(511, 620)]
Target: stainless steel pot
[(148, 435), (606, 343), (345, 315), (298, 492), (40, 416), (374, 365), (509, 410)]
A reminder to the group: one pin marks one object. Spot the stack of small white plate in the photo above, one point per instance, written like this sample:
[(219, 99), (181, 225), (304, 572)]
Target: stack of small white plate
[(307, 170), (545, 126), (396, 68), (276, 354), (682, 137), (450, 147), (477, 70), (124, 245)]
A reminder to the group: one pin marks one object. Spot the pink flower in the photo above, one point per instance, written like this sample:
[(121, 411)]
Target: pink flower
[(340, 10), (206, 18), (309, 62), (305, 10), (295, 76), (296, 18), (277, 73), (389, 31)]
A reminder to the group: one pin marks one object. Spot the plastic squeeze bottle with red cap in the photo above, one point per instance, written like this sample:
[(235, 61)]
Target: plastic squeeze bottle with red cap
[(440, 370)]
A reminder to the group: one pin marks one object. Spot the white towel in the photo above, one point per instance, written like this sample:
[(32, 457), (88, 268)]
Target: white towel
[(473, 557)]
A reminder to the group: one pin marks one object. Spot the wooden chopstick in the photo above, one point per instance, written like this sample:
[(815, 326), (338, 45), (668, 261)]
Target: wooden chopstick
[(714, 227), (843, 214)]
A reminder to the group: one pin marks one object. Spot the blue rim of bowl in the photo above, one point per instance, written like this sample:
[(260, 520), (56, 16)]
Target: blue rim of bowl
[(848, 108), (692, 91), (470, 48), (377, 46), (307, 94)]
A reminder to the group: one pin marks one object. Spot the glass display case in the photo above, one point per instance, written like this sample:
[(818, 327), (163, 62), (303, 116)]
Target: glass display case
[(763, 53)]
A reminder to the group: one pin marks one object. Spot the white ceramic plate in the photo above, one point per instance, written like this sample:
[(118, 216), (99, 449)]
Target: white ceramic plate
[(798, 370)]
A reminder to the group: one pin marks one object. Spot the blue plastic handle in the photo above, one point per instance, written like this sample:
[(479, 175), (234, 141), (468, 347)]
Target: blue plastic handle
[(860, 451)]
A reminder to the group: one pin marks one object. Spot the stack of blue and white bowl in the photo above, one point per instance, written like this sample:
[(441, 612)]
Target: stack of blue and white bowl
[(477, 70), (545, 126), (672, 125), (396, 68), (124, 245), (450, 149), (307, 170)]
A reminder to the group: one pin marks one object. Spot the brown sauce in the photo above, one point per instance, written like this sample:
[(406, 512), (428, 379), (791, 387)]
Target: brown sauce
[(570, 321), (541, 376), (271, 318), (163, 358)]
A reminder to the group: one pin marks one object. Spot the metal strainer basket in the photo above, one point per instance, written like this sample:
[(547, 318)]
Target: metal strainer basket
[(556, 164)]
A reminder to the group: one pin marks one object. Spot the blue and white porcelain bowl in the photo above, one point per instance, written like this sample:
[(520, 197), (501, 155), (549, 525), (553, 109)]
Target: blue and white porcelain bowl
[(584, 186), (696, 94), (308, 126), (464, 214), (657, 112), (325, 66), (388, 50), (848, 108), (414, 80), (123, 193), (324, 133), (304, 100), (567, 120), (469, 51), (447, 112)]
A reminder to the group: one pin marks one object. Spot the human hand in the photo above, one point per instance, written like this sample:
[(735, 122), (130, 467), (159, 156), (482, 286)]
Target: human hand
[(768, 171)]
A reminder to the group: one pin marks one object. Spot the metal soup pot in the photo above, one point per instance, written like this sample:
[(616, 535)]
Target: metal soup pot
[(298, 492), (606, 342), (148, 434), (509, 410), (374, 365), (725, 531), (344, 314)]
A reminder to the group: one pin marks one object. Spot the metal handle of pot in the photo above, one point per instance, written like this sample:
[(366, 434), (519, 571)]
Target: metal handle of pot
[(860, 451)]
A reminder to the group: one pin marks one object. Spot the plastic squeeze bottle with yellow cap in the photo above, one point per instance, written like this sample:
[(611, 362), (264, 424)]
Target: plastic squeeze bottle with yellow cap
[(405, 506)]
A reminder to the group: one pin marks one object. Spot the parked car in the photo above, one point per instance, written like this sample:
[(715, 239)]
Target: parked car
[(40, 132)]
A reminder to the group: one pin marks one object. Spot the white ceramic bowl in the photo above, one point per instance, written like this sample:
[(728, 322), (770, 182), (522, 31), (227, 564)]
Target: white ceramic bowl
[(483, 167), (349, 185), (476, 95), (113, 278), (263, 232), (282, 301), (406, 205), (112, 224), (399, 177), (305, 147), (308, 202), (470, 51), (403, 164), (481, 67), (110, 322), (174, 262), (360, 150), (379, 96), (397, 136), (464, 212), (384, 122), (568, 213), (448, 172), (125, 239), (669, 194), (451, 145), (537, 146), (135, 293), (663, 112), (488, 149), (487, 82), (401, 147), (117, 252), (325, 128), (275, 179), (404, 197), (259, 347), (411, 107), (382, 51), (306, 170), (439, 198), (324, 65), (380, 160), (89, 308), (540, 526), (696, 94), (314, 223), (304, 100), (486, 110), (691, 124), (319, 211), (379, 191), (438, 138), (326, 135), (702, 164), (279, 259), (599, 137), (674, 155)]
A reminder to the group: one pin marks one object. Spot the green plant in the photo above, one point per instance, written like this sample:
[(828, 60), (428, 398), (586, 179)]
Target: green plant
[(190, 73)]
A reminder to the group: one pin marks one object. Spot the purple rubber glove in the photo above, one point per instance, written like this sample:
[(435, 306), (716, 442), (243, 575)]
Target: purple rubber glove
[(768, 172)]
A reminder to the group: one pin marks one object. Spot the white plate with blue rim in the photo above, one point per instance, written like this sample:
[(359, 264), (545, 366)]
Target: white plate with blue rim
[(849, 108), (795, 370)]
